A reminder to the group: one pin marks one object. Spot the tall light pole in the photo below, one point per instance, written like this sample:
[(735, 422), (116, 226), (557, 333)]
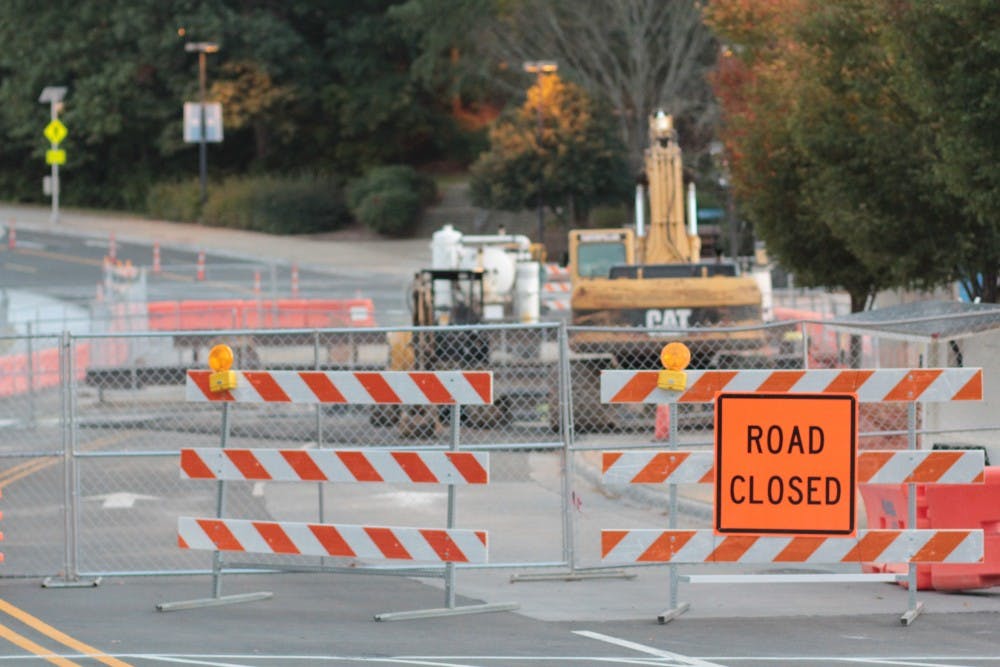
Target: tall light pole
[(540, 68), (202, 48)]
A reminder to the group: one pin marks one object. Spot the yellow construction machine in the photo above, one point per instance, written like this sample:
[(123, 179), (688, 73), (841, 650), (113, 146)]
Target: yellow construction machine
[(652, 286)]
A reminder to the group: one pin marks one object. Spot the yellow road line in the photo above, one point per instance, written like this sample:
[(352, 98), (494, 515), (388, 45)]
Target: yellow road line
[(60, 256), (61, 637), (32, 647), (22, 470), (23, 268)]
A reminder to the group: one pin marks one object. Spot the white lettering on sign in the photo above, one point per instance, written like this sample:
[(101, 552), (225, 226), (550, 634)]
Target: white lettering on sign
[(668, 317)]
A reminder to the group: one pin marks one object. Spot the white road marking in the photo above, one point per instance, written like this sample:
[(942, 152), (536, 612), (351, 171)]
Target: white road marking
[(225, 660), (642, 648)]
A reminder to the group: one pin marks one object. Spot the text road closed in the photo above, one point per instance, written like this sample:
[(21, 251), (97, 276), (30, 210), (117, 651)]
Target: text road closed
[(785, 463)]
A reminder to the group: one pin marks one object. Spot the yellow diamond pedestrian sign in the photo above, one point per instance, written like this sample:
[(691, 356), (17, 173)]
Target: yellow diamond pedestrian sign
[(55, 131)]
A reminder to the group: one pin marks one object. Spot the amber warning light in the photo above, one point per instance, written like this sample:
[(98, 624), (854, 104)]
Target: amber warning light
[(675, 357), (785, 464), (220, 360)]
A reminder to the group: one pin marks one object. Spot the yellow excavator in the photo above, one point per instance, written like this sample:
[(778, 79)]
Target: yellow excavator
[(652, 287)]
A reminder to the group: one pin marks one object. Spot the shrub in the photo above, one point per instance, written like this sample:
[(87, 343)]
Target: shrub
[(178, 201), (392, 212), (299, 205), (389, 200)]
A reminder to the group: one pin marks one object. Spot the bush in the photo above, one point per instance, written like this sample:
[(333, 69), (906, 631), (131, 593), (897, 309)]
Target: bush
[(393, 212), (178, 201), (389, 200), (276, 205), (300, 205)]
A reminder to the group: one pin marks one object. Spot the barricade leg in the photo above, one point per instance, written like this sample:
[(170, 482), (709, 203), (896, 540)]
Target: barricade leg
[(217, 598), (676, 608), (449, 569), (913, 608)]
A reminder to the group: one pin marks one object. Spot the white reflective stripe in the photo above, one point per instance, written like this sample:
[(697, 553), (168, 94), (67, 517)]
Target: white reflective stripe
[(192, 534), (902, 548), (296, 388), (695, 466), (880, 383), (811, 382)]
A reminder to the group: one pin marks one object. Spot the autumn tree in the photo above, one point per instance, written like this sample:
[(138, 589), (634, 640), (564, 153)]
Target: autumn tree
[(635, 56), (830, 161), (557, 149)]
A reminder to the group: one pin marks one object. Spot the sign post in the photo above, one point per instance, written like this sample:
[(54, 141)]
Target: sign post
[(785, 464), (55, 132)]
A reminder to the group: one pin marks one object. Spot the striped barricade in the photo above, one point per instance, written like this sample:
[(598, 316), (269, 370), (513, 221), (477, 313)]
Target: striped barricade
[(926, 385), (342, 540), (438, 547), (675, 466), (874, 467), (349, 387), (704, 546), (336, 465)]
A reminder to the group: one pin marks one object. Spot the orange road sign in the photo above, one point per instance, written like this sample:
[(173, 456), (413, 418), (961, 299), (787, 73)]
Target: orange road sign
[(785, 464)]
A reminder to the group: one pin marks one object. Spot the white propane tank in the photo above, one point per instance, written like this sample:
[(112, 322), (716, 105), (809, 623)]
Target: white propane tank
[(445, 244), (527, 295), (498, 273)]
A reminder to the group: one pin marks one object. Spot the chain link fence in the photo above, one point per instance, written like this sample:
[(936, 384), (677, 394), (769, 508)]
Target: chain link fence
[(91, 426)]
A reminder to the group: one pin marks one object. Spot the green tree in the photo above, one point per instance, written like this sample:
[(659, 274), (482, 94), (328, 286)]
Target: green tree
[(306, 86), (831, 163), (559, 148), (947, 51)]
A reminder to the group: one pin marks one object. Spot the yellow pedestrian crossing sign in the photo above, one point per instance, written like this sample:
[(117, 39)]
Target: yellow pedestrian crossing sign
[(55, 131), (55, 156)]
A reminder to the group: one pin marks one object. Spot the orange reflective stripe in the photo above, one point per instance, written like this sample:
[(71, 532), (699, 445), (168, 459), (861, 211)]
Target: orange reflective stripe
[(303, 464), (194, 467), (246, 462), (912, 385), (322, 387), (414, 467)]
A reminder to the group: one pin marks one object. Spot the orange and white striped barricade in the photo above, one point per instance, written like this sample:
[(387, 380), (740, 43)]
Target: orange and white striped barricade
[(675, 466), (434, 547)]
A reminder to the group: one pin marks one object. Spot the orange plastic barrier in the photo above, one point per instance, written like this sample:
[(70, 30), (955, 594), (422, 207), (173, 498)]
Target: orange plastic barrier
[(943, 506), (260, 314), (44, 369)]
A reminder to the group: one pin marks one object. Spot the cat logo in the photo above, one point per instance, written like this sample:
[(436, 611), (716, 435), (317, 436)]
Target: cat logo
[(668, 318)]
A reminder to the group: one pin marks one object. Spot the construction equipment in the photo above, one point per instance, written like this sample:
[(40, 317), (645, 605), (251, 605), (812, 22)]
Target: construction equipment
[(653, 287), (474, 279)]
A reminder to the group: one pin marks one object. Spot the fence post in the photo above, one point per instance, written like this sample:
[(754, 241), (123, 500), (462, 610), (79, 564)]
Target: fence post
[(569, 498), (30, 369), (71, 483)]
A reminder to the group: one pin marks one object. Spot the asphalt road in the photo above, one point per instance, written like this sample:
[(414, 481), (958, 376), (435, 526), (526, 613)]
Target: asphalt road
[(68, 268)]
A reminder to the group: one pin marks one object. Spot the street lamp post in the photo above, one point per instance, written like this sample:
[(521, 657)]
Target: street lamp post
[(202, 48), (540, 68)]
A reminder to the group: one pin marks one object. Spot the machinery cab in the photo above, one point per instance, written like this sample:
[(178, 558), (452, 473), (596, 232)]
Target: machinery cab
[(448, 296), (593, 252)]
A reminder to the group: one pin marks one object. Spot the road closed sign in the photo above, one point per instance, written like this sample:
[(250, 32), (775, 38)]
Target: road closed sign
[(785, 464)]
